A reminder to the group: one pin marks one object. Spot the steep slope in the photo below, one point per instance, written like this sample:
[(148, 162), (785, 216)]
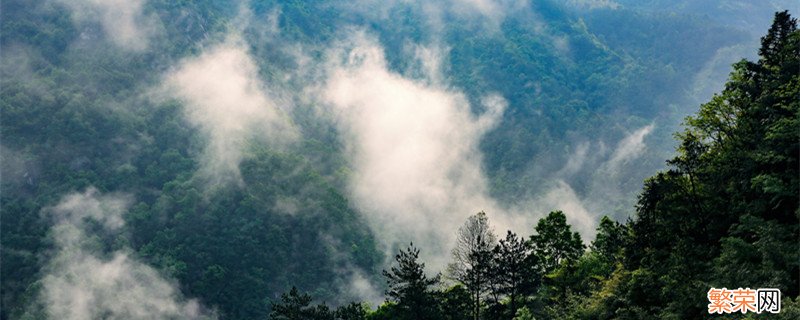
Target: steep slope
[(87, 102)]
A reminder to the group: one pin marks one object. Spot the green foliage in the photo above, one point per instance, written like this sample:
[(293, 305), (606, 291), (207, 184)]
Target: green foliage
[(410, 287), (351, 311), (472, 259), (297, 306), (456, 303), (524, 314), (514, 271), (554, 243), (725, 214), (611, 239), (74, 116)]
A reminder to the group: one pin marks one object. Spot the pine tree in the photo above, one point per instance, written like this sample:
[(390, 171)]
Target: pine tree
[(296, 306), (514, 270), (410, 287)]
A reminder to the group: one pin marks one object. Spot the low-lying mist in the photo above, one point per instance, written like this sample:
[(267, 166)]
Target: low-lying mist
[(224, 97), (404, 142), (82, 280)]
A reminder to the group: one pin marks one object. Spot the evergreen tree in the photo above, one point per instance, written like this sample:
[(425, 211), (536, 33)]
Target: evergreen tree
[(351, 311), (725, 214), (296, 306), (514, 271), (410, 287)]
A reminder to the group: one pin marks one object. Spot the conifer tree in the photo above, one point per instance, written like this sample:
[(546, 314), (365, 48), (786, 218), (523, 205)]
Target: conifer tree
[(410, 287)]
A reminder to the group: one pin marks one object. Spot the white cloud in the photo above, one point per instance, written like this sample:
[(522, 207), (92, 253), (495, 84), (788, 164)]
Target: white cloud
[(711, 78), (413, 145), (80, 283), (360, 287), (494, 11), (487, 13), (74, 208), (629, 148), (603, 172), (563, 197), (576, 160), (123, 20), (594, 4), (225, 98), (491, 9)]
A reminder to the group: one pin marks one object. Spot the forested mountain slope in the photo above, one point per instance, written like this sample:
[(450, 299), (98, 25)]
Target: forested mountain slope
[(203, 146), (722, 217)]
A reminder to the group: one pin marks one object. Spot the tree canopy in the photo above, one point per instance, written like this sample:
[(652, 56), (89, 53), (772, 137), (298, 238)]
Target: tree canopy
[(723, 215)]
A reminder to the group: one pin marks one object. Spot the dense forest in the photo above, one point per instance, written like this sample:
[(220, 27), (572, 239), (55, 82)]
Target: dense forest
[(724, 214), (395, 159)]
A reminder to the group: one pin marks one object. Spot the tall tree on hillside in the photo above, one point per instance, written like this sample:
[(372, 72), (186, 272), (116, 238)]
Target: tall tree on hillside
[(410, 287), (776, 47), (472, 258), (725, 214), (761, 247), (514, 270), (557, 249), (610, 240), (554, 242)]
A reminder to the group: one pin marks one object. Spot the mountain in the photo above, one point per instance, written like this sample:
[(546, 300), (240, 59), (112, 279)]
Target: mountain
[(208, 156)]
